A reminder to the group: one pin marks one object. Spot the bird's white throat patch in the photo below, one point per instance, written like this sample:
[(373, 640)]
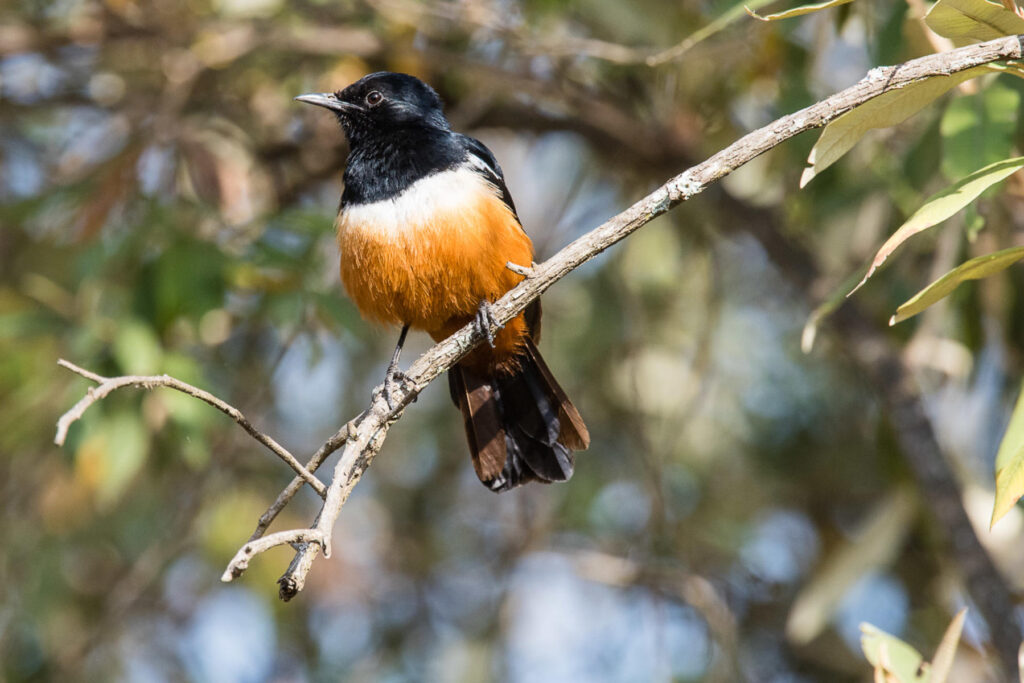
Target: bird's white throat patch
[(439, 194)]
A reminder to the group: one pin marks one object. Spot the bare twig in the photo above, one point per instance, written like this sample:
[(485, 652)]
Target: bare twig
[(240, 562), (357, 455), (519, 270), (361, 439), (330, 446), (107, 385)]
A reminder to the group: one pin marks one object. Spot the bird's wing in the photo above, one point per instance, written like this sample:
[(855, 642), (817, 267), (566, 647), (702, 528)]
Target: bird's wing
[(483, 162)]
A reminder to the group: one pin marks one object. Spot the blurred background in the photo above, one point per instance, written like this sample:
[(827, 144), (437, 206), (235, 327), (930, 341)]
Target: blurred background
[(165, 206)]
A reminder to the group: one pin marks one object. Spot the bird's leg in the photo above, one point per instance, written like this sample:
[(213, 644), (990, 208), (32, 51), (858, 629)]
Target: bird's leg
[(485, 321), (393, 374)]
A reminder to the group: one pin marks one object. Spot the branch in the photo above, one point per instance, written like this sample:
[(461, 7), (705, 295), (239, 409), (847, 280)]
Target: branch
[(108, 385), (358, 454), (361, 439), (240, 562), (330, 446)]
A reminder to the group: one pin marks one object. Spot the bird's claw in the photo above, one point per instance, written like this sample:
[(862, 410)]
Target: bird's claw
[(393, 380), (486, 323)]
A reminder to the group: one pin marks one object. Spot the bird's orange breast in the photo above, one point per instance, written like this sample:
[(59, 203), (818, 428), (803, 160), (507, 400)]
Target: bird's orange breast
[(429, 256)]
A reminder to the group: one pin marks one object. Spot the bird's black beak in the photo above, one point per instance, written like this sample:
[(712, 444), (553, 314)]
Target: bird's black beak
[(329, 100)]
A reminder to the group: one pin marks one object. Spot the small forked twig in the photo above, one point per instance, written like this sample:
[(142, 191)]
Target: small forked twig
[(107, 385)]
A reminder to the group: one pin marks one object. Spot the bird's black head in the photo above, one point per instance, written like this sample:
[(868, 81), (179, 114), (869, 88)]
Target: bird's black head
[(382, 102)]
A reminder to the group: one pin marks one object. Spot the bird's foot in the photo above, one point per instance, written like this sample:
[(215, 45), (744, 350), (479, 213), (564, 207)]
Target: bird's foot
[(394, 379), (486, 323)]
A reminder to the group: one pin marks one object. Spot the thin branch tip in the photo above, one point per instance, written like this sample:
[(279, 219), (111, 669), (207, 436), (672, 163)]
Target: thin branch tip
[(295, 537), (107, 385), (520, 270), (68, 365)]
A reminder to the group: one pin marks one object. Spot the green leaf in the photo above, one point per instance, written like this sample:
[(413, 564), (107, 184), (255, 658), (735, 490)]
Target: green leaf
[(967, 21), (883, 111), (1010, 464), (897, 662), (137, 348), (975, 269), (797, 11), (942, 662), (978, 129), (891, 656), (942, 205)]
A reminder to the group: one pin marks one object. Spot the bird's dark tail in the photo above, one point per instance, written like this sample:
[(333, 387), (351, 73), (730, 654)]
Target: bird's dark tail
[(520, 424)]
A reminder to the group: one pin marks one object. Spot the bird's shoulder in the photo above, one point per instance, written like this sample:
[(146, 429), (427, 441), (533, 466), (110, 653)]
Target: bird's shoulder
[(483, 162)]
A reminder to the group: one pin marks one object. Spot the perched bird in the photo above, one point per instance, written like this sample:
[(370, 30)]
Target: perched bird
[(426, 228)]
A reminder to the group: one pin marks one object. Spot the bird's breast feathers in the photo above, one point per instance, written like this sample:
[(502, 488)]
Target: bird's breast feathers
[(419, 206), (432, 252)]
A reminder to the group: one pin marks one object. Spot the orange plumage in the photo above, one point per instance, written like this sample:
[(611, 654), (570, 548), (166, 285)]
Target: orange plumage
[(430, 267)]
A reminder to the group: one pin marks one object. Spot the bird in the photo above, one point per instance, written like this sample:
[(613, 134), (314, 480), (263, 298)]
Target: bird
[(426, 228)]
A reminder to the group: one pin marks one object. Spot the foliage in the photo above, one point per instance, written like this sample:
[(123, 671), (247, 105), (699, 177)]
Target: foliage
[(897, 662), (975, 269), (884, 111), (1010, 464), (962, 21), (943, 205), (166, 207), (797, 11)]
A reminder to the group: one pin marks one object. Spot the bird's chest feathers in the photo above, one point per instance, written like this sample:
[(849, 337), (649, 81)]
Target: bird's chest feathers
[(432, 252)]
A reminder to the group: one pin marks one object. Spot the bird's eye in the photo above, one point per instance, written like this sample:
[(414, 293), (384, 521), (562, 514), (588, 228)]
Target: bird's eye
[(373, 98)]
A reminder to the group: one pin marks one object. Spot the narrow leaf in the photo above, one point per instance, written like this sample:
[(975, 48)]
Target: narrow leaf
[(975, 269), (1010, 464), (944, 204), (967, 21), (883, 111), (943, 660), (797, 11)]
